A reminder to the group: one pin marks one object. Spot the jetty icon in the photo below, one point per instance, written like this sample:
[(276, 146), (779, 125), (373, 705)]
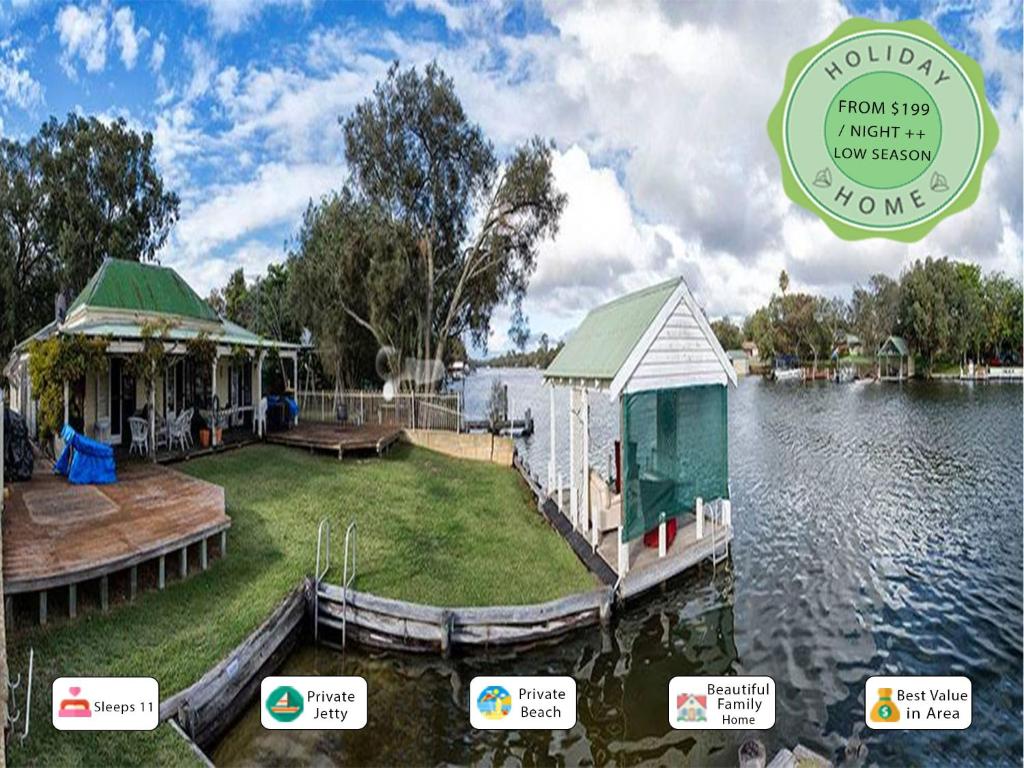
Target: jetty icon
[(284, 704)]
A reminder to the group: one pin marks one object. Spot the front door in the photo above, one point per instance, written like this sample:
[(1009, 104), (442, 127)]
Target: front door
[(122, 400)]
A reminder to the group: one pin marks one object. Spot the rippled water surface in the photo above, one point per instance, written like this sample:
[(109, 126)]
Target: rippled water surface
[(878, 531)]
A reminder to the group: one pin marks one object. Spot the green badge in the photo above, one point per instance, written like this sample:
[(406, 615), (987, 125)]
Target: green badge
[(883, 130)]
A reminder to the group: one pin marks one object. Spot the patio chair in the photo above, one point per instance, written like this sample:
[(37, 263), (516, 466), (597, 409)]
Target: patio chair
[(186, 425), (140, 435), (178, 431), (161, 438)]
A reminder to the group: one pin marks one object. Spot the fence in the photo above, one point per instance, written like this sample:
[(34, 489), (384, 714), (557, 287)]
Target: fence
[(404, 409)]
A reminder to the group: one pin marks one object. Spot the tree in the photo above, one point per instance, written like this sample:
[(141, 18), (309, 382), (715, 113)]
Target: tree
[(760, 329), (924, 312), (1003, 309), (76, 193), (783, 281), (874, 310), (449, 232), (727, 333), (237, 305)]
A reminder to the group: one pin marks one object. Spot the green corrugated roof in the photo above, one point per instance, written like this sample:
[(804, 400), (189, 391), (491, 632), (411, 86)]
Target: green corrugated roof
[(600, 346), (135, 287), (900, 345), (230, 333)]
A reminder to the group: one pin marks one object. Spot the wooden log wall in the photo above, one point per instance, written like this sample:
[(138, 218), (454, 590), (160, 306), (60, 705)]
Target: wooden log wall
[(208, 708), (398, 625)]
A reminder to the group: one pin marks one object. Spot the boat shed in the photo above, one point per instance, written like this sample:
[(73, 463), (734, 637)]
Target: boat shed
[(654, 355), (895, 363)]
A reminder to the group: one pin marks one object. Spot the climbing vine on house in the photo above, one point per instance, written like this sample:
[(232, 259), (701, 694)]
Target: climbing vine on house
[(149, 361), (58, 359), (202, 350)]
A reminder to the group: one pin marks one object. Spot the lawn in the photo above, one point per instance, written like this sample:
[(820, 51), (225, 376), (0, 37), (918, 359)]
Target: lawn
[(430, 529)]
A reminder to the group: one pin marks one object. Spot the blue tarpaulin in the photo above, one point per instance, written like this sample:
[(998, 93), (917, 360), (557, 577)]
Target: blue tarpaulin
[(293, 407), (84, 460)]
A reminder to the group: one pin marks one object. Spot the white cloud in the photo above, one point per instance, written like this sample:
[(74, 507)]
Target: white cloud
[(17, 86), (204, 65), (128, 37), (230, 16), (83, 35), (157, 54), (277, 194)]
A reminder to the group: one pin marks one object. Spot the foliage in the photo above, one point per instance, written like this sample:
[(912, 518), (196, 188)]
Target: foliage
[(430, 233), (497, 403), (75, 193), (727, 333), (147, 363), (240, 355), (458, 530), (202, 350), (60, 358), (540, 357), (946, 310)]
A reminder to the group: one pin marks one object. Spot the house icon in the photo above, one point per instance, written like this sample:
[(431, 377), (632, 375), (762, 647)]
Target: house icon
[(691, 708)]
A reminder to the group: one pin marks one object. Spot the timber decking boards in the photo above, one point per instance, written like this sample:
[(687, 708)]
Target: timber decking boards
[(55, 533), (337, 438), (647, 569)]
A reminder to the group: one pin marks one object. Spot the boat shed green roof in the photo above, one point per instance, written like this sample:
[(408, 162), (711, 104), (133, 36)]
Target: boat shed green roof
[(894, 346), (134, 287), (605, 338)]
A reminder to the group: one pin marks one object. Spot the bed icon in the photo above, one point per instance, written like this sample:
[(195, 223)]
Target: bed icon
[(75, 707)]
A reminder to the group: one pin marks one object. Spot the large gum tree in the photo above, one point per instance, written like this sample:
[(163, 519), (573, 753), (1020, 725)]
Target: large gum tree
[(438, 231)]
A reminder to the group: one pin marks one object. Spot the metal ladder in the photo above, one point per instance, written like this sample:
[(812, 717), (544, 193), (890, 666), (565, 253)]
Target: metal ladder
[(325, 526), (347, 579)]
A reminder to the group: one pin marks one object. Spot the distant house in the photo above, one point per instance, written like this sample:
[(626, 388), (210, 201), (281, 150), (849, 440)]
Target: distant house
[(895, 363), (740, 361), (750, 347), (847, 345)]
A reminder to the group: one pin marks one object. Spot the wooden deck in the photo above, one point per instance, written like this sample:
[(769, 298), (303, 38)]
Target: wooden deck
[(647, 570), (337, 438), (57, 534)]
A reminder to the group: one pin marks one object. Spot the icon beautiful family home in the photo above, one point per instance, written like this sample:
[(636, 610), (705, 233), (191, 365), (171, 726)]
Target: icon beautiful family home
[(213, 393)]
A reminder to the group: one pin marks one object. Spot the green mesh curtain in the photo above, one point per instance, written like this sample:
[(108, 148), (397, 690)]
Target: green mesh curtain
[(675, 448)]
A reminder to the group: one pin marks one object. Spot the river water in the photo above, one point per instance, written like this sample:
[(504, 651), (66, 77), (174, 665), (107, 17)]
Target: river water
[(878, 530)]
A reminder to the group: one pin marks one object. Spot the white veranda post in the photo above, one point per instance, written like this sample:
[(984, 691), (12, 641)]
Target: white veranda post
[(551, 446), (579, 491), (213, 395)]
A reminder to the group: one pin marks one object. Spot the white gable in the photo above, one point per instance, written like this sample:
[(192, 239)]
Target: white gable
[(679, 349)]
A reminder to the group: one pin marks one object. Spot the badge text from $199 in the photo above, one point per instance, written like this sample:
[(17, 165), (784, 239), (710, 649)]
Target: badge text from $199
[(883, 130)]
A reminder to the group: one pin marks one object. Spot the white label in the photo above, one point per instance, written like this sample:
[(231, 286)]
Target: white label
[(919, 703), (522, 703), (105, 703), (721, 703), (305, 703)]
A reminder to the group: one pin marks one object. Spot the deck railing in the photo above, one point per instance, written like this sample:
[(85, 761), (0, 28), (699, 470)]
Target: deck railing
[(404, 409)]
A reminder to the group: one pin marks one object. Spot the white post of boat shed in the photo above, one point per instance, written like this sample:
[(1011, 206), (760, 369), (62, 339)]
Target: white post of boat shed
[(652, 340)]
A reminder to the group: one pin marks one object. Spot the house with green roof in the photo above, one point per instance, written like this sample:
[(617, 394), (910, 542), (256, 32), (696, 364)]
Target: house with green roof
[(119, 301), (653, 354)]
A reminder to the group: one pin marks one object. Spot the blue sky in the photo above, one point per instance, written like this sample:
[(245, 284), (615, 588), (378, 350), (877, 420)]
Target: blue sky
[(657, 112)]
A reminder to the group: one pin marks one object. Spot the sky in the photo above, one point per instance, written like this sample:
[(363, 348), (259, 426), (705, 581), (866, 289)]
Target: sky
[(657, 111)]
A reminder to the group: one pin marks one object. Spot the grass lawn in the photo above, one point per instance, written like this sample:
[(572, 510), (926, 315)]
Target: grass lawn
[(431, 529)]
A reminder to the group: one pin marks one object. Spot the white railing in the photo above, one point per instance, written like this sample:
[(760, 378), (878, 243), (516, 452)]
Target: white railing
[(403, 409)]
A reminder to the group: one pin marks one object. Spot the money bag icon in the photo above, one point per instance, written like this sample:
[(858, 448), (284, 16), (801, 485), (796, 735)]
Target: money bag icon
[(884, 710)]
